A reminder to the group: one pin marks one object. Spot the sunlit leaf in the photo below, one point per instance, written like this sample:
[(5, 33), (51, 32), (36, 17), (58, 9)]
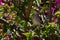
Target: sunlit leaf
[(57, 13)]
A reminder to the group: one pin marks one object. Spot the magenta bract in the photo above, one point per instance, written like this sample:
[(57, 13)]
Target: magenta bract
[(0, 2), (57, 1)]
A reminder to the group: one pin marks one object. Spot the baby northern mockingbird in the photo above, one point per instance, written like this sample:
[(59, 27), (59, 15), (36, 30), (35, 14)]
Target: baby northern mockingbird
[(36, 19)]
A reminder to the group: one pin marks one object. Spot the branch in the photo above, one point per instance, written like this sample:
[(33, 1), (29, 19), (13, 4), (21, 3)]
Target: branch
[(3, 21), (28, 10)]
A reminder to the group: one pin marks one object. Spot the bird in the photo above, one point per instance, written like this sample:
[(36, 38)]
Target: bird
[(36, 19)]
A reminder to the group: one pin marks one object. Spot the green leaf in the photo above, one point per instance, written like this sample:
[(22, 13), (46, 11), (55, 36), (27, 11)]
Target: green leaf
[(57, 13), (52, 25)]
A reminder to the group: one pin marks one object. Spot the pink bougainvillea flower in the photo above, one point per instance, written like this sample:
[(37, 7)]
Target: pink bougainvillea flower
[(10, 15), (57, 1), (0, 2), (5, 15), (52, 9), (46, 11), (54, 20), (7, 37), (13, 18)]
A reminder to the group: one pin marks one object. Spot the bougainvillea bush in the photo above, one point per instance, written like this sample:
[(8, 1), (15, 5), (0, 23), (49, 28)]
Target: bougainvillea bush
[(16, 19)]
